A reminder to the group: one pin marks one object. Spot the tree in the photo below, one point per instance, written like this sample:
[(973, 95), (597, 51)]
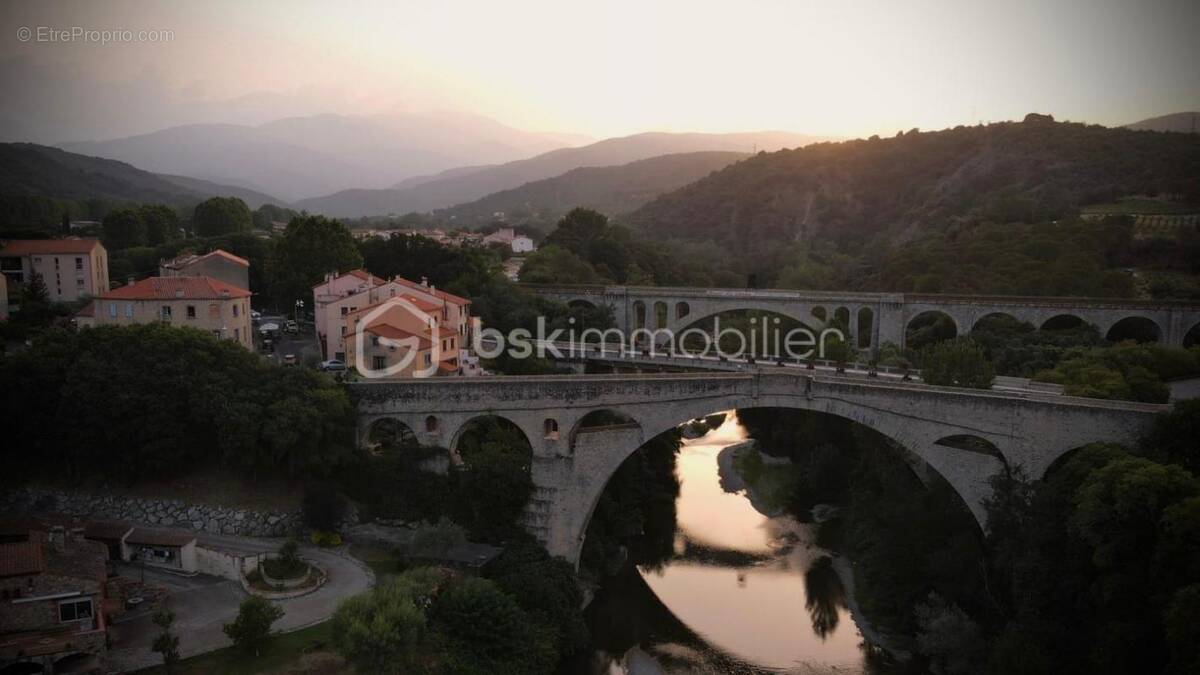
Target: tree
[(123, 228), (386, 631), (310, 247), (166, 643), (1182, 625), (553, 264), (957, 363), (221, 215), (253, 623), (161, 221), (488, 632), (323, 507)]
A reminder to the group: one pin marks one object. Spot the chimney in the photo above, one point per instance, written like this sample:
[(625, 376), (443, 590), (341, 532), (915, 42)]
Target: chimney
[(179, 292), (225, 293), (129, 280), (425, 281)]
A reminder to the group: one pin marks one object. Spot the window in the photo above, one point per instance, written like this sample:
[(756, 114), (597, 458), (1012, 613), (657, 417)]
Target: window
[(379, 363), (345, 311), (79, 263), (431, 424), (235, 309), (191, 311), (551, 428), (237, 334), (374, 340), (129, 310), (75, 610), (166, 313), (37, 260), (56, 263), (428, 358), (79, 283), (112, 309)]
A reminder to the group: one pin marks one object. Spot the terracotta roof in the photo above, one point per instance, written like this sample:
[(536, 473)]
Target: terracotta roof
[(148, 537), (176, 288), (423, 305), (21, 558), (191, 259), (392, 332), (447, 367), (20, 247), (361, 274), (436, 292)]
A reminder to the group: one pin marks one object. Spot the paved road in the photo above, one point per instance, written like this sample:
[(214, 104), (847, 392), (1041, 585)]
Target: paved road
[(203, 604)]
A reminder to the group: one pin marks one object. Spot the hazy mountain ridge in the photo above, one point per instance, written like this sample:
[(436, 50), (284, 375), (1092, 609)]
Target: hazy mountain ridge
[(457, 189), (1183, 122), (298, 157), (29, 169), (902, 186), (612, 190)]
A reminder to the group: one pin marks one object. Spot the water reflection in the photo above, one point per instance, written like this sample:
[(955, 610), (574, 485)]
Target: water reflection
[(748, 590)]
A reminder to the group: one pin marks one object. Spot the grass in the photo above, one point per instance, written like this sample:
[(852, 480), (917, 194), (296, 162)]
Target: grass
[(280, 652)]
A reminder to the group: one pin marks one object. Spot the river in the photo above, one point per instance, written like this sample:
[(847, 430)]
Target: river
[(747, 591)]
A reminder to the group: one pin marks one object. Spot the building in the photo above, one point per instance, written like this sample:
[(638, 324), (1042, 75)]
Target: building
[(218, 264), (70, 268), (517, 243), (341, 296), (3, 297), (168, 549), (197, 302), (398, 339), (52, 601)]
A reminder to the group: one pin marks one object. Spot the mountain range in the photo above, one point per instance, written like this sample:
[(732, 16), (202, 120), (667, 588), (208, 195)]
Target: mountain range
[(1184, 122), (465, 185), (613, 190), (300, 157), (891, 190), (27, 169)]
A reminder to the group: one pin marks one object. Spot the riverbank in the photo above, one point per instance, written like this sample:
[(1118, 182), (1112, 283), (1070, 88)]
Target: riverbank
[(872, 636)]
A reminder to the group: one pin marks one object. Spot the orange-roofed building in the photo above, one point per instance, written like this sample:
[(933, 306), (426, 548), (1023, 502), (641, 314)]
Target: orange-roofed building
[(340, 296), (403, 336), (220, 265), (70, 268), (195, 302)]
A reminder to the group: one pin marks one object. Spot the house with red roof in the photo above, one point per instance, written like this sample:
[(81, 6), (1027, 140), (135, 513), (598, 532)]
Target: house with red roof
[(218, 264), (341, 301), (203, 303), (70, 268), (403, 336)]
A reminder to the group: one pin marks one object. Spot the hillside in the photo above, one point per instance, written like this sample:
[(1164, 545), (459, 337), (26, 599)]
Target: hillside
[(465, 187), (609, 189), (922, 181), (27, 169), (1184, 122), (299, 157)]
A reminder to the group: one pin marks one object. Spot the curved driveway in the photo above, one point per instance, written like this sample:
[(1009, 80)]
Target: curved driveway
[(203, 604)]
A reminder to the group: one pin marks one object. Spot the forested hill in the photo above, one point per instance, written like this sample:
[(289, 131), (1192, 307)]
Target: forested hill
[(919, 182), (30, 170), (609, 189)]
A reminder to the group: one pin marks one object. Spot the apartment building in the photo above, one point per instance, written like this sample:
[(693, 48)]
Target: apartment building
[(70, 268), (220, 265), (197, 302)]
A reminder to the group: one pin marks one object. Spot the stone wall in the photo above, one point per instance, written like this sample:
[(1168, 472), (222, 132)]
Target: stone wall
[(159, 512)]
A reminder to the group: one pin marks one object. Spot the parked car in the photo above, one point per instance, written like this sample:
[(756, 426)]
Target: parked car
[(289, 359), (255, 315), (291, 326), (332, 365)]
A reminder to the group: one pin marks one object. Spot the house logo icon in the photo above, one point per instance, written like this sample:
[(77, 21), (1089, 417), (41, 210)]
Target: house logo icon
[(410, 345)]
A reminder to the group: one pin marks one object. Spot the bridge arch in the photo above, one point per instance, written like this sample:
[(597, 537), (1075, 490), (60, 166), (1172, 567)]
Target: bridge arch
[(819, 313), (865, 327), (480, 423), (599, 420), (698, 316), (639, 314), (682, 309), (388, 431), (930, 326), (1192, 337), (968, 473), (662, 317), (582, 302), (1136, 328), (1062, 322), (992, 316)]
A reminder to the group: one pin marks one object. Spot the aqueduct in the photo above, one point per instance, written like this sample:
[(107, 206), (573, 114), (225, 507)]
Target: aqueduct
[(571, 464), (873, 318)]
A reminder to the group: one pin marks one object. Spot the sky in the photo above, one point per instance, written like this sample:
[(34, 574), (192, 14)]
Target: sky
[(601, 68)]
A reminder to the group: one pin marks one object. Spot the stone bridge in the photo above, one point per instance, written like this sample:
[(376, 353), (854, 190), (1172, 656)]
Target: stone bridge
[(573, 461), (873, 318)]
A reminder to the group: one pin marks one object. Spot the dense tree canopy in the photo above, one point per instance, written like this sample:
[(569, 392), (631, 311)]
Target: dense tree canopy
[(221, 215), (310, 247)]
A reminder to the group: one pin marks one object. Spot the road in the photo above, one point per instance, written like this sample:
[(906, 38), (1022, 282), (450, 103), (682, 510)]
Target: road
[(203, 604)]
